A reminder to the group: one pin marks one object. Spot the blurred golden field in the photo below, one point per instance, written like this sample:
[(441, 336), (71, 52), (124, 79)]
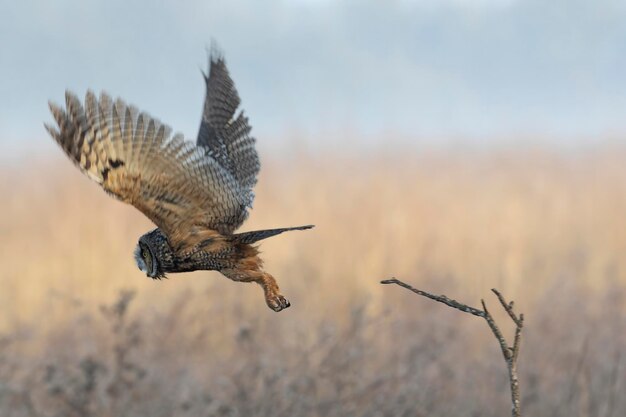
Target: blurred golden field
[(546, 227)]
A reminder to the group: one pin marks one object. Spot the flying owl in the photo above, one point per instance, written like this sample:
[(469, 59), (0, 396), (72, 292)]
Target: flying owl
[(196, 194)]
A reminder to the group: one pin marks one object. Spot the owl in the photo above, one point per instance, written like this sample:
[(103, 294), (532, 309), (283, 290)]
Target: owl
[(197, 194)]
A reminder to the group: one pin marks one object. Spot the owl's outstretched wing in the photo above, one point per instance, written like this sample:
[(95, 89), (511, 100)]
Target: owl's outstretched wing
[(175, 183), (224, 134)]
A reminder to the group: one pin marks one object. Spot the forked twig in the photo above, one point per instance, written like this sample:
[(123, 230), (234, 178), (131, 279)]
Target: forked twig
[(510, 353)]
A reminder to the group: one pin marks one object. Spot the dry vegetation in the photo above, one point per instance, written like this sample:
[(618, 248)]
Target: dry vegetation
[(83, 333)]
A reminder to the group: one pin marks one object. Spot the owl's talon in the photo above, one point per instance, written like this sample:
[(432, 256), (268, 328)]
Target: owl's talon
[(277, 302)]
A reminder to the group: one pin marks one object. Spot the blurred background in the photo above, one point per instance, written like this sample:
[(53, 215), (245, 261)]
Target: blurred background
[(457, 145)]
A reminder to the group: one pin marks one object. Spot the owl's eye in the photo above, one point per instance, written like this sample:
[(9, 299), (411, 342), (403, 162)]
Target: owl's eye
[(144, 253)]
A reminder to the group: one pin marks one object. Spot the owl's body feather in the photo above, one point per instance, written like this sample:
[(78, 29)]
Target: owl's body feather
[(197, 194)]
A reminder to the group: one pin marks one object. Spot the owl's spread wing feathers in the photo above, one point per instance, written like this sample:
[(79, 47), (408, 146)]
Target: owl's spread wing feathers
[(225, 134), (182, 189)]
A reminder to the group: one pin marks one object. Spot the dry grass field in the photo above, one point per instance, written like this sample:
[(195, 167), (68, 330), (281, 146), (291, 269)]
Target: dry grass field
[(84, 333)]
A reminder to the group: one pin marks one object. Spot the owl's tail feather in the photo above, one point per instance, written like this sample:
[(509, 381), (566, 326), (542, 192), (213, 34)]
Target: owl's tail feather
[(255, 236)]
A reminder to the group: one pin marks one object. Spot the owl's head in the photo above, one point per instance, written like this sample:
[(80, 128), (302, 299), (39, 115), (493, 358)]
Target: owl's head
[(151, 252)]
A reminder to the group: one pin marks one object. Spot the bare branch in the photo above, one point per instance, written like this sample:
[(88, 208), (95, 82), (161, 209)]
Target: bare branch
[(508, 307), (440, 298), (518, 336), (496, 332), (510, 353)]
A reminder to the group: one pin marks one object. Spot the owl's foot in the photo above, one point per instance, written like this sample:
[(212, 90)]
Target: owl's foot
[(276, 301)]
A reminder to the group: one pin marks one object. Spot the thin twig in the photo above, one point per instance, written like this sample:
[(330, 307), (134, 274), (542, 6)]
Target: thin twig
[(510, 353), (440, 298)]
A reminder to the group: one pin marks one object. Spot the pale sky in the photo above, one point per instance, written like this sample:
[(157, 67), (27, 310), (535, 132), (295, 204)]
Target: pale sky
[(470, 69)]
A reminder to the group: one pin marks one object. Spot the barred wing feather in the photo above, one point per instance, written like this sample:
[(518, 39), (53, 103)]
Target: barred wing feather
[(225, 135), (175, 183)]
